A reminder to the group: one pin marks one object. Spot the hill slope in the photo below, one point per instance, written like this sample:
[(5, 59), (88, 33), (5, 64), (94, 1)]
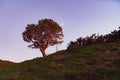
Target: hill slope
[(4, 63), (94, 62)]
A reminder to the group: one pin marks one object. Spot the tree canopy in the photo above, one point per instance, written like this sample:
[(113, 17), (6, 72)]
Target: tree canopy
[(42, 35)]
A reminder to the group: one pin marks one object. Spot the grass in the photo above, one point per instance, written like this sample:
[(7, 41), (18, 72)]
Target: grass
[(81, 63)]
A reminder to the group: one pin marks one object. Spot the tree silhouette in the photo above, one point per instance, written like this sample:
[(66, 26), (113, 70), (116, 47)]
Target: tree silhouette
[(42, 35)]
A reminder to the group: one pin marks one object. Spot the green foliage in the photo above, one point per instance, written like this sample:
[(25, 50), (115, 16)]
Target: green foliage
[(93, 39), (42, 35)]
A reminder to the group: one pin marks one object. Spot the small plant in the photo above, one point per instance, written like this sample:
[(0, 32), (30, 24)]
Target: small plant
[(116, 62), (114, 49)]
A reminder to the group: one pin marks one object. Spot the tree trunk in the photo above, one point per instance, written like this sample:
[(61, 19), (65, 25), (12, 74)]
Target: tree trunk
[(43, 52)]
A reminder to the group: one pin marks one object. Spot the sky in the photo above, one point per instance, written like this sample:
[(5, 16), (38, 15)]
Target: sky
[(78, 18)]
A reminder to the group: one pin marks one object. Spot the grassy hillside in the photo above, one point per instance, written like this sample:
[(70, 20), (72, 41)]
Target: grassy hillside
[(4, 63), (94, 62)]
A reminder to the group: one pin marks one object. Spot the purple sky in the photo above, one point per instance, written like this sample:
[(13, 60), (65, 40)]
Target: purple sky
[(77, 17)]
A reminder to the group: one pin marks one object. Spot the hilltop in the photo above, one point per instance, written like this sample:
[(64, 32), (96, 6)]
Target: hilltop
[(4, 63), (92, 62)]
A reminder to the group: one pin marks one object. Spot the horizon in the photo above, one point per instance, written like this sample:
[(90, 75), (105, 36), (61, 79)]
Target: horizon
[(78, 18)]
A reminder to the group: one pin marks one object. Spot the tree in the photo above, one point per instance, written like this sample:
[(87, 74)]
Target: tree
[(42, 35)]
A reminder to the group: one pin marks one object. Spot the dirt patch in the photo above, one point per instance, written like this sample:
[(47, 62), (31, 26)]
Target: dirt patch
[(55, 64), (60, 56), (109, 53), (108, 64), (23, 72)]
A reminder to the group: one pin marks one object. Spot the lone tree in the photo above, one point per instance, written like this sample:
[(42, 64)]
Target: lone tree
[(42, 35)]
